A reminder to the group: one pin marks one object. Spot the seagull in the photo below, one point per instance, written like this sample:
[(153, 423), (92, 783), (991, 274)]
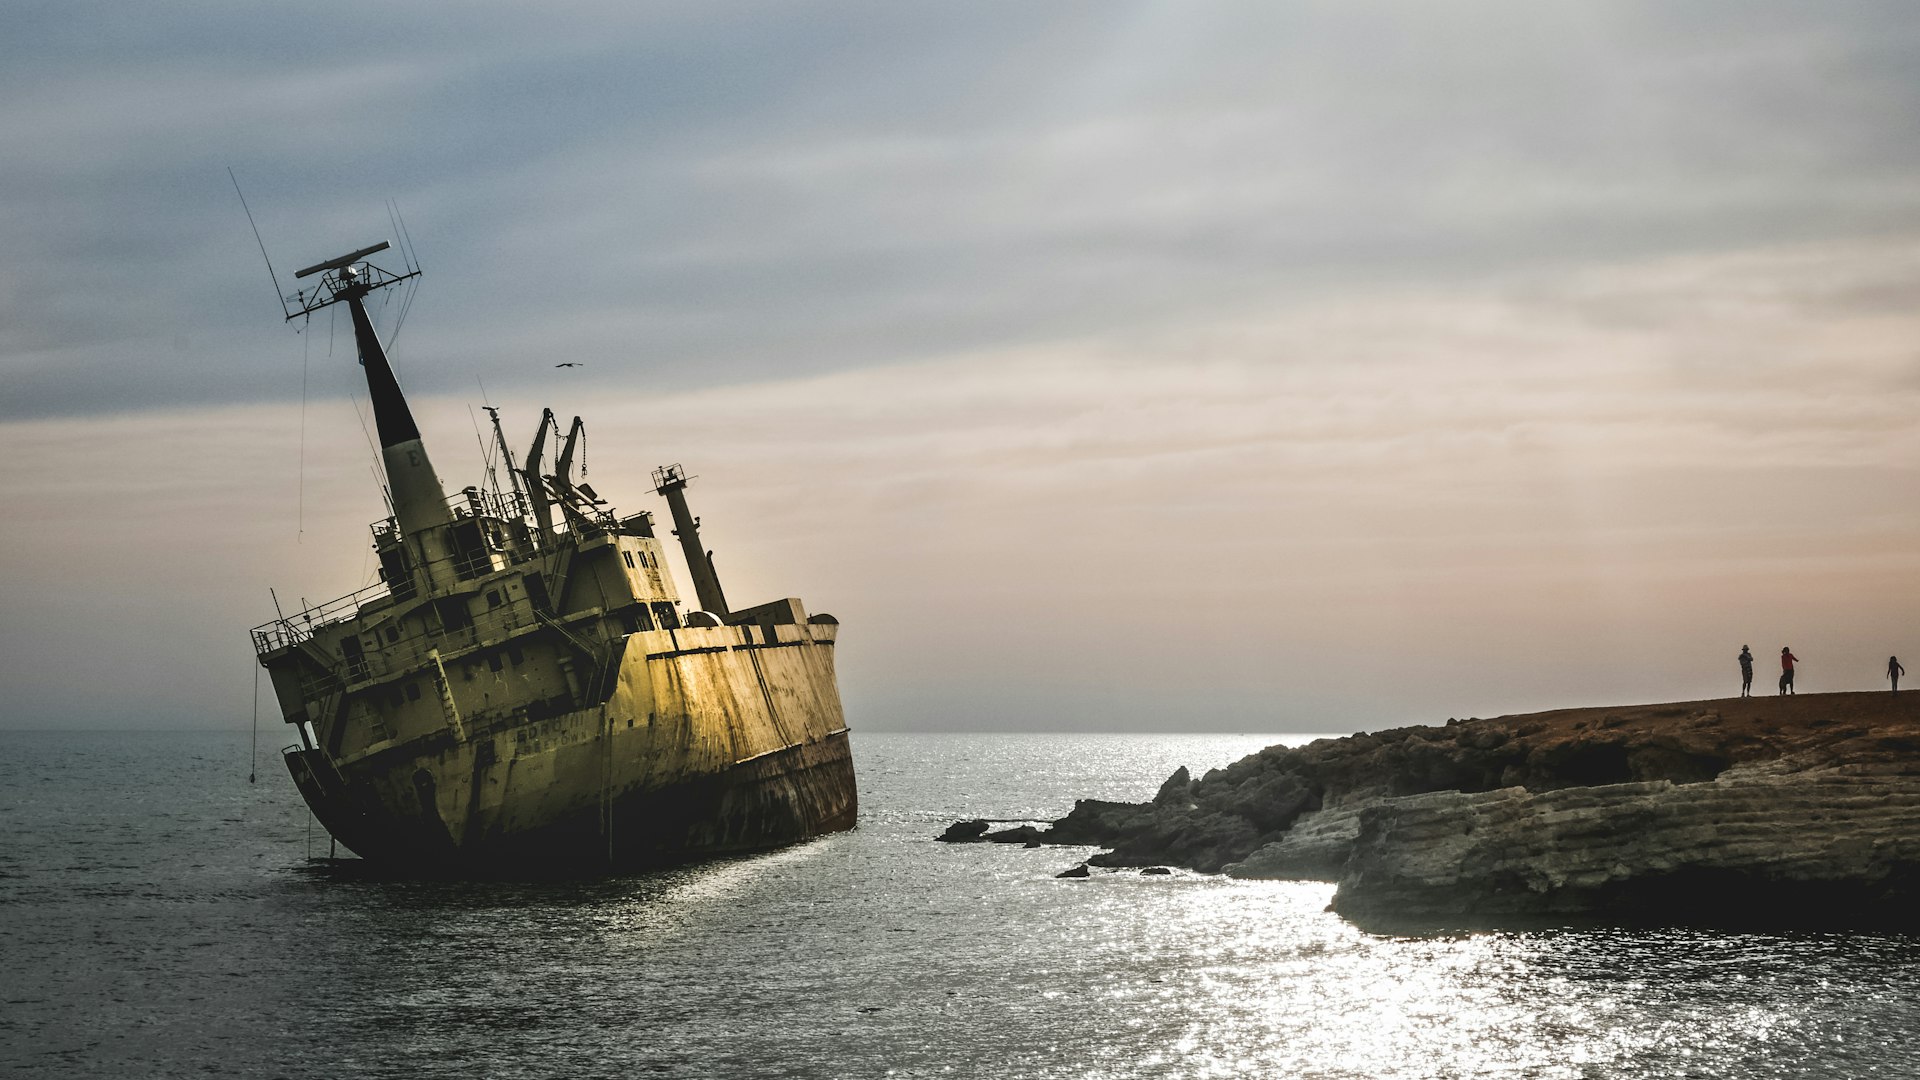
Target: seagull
[(572, 363)]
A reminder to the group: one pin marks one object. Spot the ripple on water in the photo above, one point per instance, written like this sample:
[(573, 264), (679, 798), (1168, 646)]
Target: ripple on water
[(210, 944)]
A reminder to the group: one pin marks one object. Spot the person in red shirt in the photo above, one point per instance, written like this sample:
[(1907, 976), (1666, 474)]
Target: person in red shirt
[(1786, 670)]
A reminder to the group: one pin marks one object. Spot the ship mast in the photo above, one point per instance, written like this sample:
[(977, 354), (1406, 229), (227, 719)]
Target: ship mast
[(419, 502)]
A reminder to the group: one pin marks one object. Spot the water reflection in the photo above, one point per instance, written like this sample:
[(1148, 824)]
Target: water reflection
[(869, 953)]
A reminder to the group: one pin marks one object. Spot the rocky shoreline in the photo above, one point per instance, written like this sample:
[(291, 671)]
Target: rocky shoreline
[(1775, 812)]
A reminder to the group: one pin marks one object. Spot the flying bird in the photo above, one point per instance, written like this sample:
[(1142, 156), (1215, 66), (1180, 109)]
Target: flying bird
[(572, 363)]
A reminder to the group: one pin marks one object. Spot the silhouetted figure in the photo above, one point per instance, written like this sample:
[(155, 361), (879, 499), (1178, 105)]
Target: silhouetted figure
[(1894, 671), (1786, 670), (1746, 672)]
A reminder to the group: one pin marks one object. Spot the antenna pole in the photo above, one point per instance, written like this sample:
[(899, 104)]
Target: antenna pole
[(506, 452), (406, 237), (271, 276)]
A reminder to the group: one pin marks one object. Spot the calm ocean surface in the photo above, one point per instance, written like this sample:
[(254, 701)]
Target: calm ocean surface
[(159, 917)]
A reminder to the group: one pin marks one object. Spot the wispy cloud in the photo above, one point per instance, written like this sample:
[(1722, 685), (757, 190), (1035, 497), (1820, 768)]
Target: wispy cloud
[(1375, 508), (1390, 358)]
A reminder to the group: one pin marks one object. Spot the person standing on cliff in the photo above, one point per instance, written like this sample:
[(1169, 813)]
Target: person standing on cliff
[(1786, 670), (1894, 671), (1746, 672)]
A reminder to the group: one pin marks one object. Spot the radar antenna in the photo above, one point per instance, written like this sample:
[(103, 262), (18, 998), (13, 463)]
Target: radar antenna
[(342, 278)]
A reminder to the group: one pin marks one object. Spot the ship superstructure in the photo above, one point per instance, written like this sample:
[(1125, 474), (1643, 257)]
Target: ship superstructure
[(521, 689)]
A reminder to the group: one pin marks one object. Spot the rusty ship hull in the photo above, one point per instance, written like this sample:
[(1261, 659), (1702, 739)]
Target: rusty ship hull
[(524, 690), (652, 776)]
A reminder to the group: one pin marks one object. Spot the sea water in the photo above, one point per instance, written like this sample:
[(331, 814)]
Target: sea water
[(159, 916)]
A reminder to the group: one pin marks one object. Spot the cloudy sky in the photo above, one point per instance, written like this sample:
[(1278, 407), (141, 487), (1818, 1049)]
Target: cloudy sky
[(1188, 366)]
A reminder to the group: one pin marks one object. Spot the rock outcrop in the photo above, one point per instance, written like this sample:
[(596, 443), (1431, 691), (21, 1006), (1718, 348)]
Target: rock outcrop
[(1821, 849), (1801, 811)]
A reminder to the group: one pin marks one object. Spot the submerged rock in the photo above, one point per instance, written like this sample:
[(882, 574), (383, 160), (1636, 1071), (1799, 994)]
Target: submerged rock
[(1023, 834), (963, 832), (1075, 872)]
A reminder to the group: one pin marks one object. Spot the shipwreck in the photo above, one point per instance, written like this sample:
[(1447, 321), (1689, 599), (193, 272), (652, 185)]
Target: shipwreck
[(524, 690)]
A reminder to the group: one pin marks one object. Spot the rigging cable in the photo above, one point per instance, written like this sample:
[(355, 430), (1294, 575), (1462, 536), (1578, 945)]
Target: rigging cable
[(253, 763), (486, 454), (277, 294), (354, 397), (300, 511), (606, 788), (379, 478), (406, 305)]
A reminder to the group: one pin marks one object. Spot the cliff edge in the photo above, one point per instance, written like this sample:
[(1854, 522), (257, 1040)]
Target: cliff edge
[(1798, 811)]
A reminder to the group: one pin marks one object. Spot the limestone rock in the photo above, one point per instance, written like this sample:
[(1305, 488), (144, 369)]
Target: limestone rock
[(1738, 812), (1314, 849), (1201, 841), (1176, 791), (1810, 849), (1096, 821)]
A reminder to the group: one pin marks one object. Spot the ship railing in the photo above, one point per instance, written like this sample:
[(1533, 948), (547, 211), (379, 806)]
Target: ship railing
[(481, 502), (296, 628), (465, 503)]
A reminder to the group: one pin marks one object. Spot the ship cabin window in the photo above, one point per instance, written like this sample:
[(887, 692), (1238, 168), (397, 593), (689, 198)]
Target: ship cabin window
[(453, 613), (493, 662), (393, 634), (356, 659), (628, 555), (413, 691), (663, 613), (514, 654), (493, 599), (537, 593)]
